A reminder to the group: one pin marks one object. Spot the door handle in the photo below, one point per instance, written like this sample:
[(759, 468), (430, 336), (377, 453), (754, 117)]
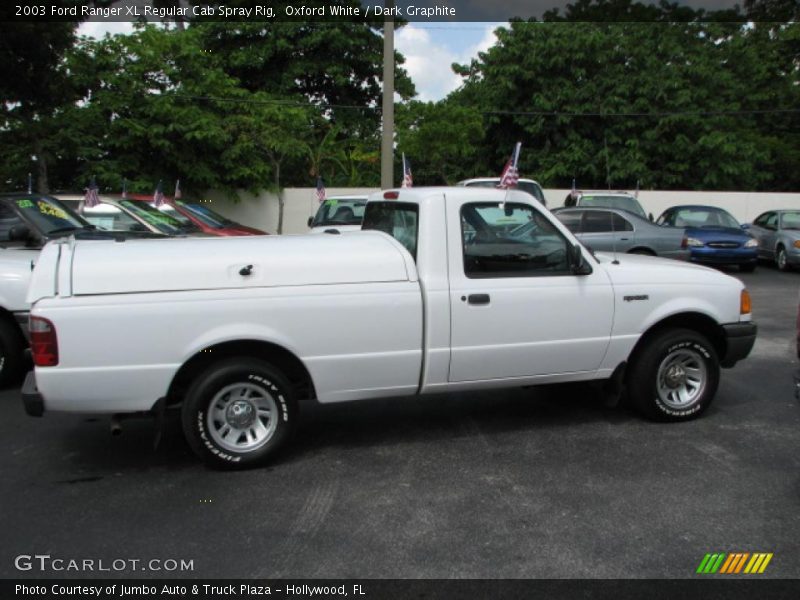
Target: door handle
[(478, 298)]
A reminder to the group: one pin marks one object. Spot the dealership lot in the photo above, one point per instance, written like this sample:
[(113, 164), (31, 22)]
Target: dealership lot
[(533, 483)]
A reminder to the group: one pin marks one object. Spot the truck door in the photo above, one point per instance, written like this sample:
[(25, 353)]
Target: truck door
[(517, 310)]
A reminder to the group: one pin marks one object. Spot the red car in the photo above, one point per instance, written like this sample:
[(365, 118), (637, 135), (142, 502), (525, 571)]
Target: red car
[(200, 215)]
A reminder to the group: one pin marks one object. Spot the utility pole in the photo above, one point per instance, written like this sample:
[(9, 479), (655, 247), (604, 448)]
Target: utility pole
[(387, 135)]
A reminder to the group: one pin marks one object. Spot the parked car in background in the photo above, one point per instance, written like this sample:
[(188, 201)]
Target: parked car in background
[(715, 236), (797, 349), (525, 185), (342, 213), (617, 230), (133, 214), (778, 235), (200, 215), (621, 200), (27, 222)]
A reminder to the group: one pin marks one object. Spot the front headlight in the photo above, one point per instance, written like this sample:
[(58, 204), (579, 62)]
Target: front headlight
[(751, 243), (694, 242)]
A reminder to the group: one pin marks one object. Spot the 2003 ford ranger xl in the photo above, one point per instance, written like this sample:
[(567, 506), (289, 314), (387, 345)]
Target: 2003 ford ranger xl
[(445, 289)]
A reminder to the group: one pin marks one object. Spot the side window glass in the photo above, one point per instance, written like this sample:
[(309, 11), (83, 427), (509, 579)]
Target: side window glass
[(621, 223), (398, 219), (510, 240), (571, 220), (596, 221)]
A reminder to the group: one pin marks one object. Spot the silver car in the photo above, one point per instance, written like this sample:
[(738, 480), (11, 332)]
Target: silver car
[(778, 235), (617, 230)]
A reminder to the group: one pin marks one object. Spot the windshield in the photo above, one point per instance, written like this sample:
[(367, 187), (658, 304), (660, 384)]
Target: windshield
[(628, 203), (205, 214), (50, 216), (790, 220), (163, 222), (700, 217), (335, 211)]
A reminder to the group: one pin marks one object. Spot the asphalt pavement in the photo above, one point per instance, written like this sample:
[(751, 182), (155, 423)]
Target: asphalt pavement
[(529, 483)]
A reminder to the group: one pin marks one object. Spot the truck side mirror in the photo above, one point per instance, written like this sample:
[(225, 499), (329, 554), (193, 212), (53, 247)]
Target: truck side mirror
[(310, 220), (19, 233), (650, 216), (577, 264)]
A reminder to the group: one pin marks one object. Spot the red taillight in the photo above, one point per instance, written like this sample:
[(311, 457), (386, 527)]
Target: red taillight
[(393, 195), (44, 344)]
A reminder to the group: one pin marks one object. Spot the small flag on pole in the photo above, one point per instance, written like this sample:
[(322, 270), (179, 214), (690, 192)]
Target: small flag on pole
[(177, 195), (573, 191), (124, 189), (408, 180), (90, 198), (320, 190), (158, 195), (30, 183), (636, 195), (510, 175)]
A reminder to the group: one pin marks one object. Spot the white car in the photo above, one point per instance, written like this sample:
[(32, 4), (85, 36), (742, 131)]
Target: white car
[(526, 185), (339, 213)]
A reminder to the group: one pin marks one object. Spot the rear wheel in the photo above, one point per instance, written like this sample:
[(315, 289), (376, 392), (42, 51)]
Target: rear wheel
[(12, 349), (239, 413), (675, 375)]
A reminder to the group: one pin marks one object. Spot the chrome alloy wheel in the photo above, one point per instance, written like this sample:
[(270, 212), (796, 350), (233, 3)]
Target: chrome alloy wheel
[(682, 378), (242, 417)]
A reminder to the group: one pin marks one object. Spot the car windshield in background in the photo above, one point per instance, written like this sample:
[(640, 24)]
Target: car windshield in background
[(790, 220), (110, 218), (49, 215), (628, 203), (701, 217), (170, 210), (156, 218), (340, 212), (204, 214)]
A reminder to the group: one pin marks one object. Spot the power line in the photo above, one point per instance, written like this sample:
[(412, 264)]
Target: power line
[(519, 113)]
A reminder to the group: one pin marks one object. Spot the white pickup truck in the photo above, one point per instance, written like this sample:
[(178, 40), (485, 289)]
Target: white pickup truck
[(445, 289)]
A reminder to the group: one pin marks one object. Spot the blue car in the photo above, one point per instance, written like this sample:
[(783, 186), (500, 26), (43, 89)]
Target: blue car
[(714, 236)]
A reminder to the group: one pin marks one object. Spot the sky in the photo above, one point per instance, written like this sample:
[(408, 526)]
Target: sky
[(429, 48)]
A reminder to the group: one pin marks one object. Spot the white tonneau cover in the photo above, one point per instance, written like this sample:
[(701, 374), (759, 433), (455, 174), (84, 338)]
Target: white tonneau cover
[(216, 263)]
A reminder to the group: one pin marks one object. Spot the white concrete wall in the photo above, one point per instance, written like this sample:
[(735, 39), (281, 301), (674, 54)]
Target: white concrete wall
[(261, 211)]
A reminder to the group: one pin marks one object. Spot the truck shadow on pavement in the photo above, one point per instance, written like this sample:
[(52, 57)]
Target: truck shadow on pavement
[(86, 450)]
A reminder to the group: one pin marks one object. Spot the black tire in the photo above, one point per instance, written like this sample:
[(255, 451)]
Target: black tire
[(226, 442), (747, 268), (12, 349), (655, 389), (780, 259)]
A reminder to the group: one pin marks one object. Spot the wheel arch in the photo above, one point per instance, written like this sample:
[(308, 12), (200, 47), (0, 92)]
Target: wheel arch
[(695, 321), (281, 358), (642, 250)]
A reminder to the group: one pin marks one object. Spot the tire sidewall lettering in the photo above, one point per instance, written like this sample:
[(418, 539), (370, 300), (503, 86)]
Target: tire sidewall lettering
[(698, 405)]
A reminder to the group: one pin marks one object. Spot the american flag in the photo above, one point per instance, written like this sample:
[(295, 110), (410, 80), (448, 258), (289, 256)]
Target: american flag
[(510, 175), (158, 196), (408, 180), (178, 194), (320, 189), (90, 198)]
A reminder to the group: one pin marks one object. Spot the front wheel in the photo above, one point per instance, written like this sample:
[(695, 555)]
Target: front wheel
[(12, 349), (675, 376), (780, 259), (239, 413)]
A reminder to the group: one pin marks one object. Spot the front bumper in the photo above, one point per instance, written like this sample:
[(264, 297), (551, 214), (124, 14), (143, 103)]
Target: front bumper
[(739, 340), (31, 398)]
